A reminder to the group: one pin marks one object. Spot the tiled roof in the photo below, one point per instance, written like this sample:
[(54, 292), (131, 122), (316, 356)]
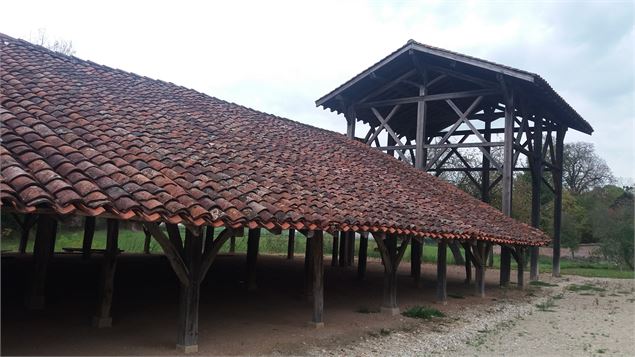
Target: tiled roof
[(81, 138)]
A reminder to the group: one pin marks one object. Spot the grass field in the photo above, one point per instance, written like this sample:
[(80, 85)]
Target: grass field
[(132, 242)]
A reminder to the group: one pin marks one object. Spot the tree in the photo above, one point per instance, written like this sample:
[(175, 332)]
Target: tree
[(64, 47), (614, 227), (583, 169)]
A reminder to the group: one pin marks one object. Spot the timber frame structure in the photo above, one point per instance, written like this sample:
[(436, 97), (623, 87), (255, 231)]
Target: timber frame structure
[(428, 104), (80, 139)]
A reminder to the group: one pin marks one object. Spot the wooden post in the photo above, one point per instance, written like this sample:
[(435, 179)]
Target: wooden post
[(557, 206), (520, 260), (232, 244), (25, 229), (335, 249), (363, 251), (536, 184), (187, 337), (308, 267), (416, 248), (391, 256), (44, 236), (317, 251), (350, 115), (468, 263), (505, 268), (441, 271), (456, 252), (507, 180), (481, 264), (291, 244), (209, 238), (106, 283), (485, 182), (350, 253), (343, 244), (421, 153), (253, 243), (148, 239)]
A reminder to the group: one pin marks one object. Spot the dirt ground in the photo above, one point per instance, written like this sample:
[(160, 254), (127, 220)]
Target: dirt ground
[(269, 321)]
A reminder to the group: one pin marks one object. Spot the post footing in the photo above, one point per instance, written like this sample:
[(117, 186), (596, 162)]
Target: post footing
[(389, 310), (315, 325), (187, 349), (101, 322)]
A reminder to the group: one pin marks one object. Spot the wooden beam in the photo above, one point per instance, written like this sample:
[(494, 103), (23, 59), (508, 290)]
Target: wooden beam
[(391, 133), (429, 98), (468, 263), (318, 279), (25, 229), (291, 244), (44, 237), (350, 253), (383, 122), (89, 233), (211, 250), (107, 279), (253, 244), (175, 236), (463, 76), (387, 86), (342, 252), (146, 242), (536, 186)]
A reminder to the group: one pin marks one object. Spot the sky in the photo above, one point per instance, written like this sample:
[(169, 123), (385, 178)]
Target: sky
[(279, 57)]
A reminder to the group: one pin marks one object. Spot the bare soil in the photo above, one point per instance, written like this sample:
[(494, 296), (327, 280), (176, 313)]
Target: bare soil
[(271, 320)]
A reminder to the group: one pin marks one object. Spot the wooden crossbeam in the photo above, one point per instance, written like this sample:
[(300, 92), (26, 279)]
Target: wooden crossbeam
[(384, 124), (170, 251), (430, 98)]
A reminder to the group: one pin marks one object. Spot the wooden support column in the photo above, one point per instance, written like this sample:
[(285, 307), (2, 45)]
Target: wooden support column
[(335, 248), (187, 337), (253, 244), (25, 229), (536, 184), (421, 153), (291, 244), (44, 237), (391, 255), (317, 262), (146, 243), (507, 182), (456, 252), (308, 266), (416, 251), (343, 244), (468, 263), (363, 252), (350, 246), (520, 261), (106, 282), (442, 294), (557, 206), (191, 266), (479, 254), (232, 245)]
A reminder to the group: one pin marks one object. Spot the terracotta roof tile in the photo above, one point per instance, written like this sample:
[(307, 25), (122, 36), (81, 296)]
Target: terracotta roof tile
[(82, 138)]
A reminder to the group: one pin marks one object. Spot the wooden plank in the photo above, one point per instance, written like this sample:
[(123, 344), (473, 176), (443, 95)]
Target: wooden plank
[(442, 295), (106, 283), (253, 244), (291, 244), (363, 253), (44, 236), (318, 278)]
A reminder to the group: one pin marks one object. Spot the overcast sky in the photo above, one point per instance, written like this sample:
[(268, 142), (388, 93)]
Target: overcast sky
[(279, 57)]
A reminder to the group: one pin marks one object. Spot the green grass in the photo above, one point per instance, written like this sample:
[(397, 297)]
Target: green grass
[(547, 306), (541, 283), (422, 312)]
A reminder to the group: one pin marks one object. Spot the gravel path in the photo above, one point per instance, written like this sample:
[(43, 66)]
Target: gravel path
[(576, 317)]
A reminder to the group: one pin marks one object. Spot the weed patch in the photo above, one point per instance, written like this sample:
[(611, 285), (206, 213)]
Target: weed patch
[(422, 312), (584, 287), (541, 283)]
